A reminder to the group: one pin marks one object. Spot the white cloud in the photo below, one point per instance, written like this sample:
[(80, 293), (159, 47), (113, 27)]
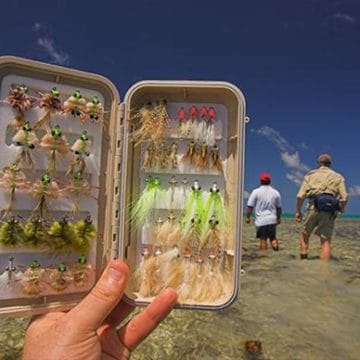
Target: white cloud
[(274, 136), (304, 146), (289, 156), (45, 41), (58, 57), (296, 178), (354, 190), (37, 27), (343, 17), (293, 161)]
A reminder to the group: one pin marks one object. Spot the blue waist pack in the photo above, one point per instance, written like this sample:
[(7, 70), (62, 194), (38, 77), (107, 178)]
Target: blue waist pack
[(326, 202)]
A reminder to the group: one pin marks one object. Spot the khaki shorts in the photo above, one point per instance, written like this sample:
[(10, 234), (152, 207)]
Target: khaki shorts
[(323, 223)]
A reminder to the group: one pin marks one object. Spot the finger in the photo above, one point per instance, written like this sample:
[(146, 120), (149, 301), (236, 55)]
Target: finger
[(98, 304), (120, 312), (141, 325)]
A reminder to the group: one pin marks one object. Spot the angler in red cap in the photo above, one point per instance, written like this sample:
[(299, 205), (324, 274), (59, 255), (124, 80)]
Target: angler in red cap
[(267, 204)]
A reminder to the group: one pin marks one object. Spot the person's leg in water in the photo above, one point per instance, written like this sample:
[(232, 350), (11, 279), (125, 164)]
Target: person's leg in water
[(263, 244), (272, 237), (325, 231), (304, 245), (261, 235), (274, 244), (325, 252)]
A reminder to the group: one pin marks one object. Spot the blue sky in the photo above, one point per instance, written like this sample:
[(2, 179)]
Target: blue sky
[(297, 62)]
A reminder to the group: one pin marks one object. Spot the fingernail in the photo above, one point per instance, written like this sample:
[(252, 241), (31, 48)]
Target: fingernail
[(115, 273), (169, 294)]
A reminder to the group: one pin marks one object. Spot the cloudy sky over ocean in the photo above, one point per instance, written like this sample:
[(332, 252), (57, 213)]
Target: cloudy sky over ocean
[(297, 62)]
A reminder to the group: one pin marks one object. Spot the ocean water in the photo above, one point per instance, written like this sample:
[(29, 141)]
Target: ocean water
[(296, 309), (343, 216)]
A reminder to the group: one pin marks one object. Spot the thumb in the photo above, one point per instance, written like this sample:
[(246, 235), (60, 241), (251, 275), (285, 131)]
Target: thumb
[(90, 313)]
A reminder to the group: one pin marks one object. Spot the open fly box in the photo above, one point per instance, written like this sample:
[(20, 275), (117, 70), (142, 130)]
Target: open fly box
[(156, 180)]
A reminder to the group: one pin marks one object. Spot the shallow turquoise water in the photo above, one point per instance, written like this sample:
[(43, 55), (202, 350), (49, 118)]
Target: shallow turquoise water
[(297, 309)]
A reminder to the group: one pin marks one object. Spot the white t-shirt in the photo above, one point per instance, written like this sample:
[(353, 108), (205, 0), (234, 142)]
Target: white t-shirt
[(265, 199)]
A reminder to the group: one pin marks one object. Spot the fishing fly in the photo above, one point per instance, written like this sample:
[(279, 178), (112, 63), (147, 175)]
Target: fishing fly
[(214, 207), (76, 188), (26, 139), (51, 103), (194, 207), (43, 189), (82, 150), (148, 200), (63, 237), (11, 233), (94, 111), (86, 232), (60, 278), (32, 278), (13, 179), (21, 101), (56, 143), (35, 233), (75, 105)]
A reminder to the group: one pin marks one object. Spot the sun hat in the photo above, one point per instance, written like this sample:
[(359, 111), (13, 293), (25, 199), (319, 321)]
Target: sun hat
[(324, 158)]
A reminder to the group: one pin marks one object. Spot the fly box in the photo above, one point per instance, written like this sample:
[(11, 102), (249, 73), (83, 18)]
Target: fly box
[(156, 180)]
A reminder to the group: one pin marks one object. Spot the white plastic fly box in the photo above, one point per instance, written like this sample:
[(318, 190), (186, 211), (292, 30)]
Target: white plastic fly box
[(156, 180)]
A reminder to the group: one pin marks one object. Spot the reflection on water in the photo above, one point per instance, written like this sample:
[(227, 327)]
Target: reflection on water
[(296, 309)]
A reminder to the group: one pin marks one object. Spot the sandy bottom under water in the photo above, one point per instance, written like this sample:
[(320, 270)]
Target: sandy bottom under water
[(297, 309)]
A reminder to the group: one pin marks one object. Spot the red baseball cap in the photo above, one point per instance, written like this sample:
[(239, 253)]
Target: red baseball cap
[(265, 177)]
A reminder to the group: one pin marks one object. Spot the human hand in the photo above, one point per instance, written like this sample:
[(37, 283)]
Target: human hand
[(298, 216), (88, 331), (278, 221), (247, 220)]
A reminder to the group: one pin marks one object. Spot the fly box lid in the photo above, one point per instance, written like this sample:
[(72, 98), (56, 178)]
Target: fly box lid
[(57, 140), (156, 181)]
